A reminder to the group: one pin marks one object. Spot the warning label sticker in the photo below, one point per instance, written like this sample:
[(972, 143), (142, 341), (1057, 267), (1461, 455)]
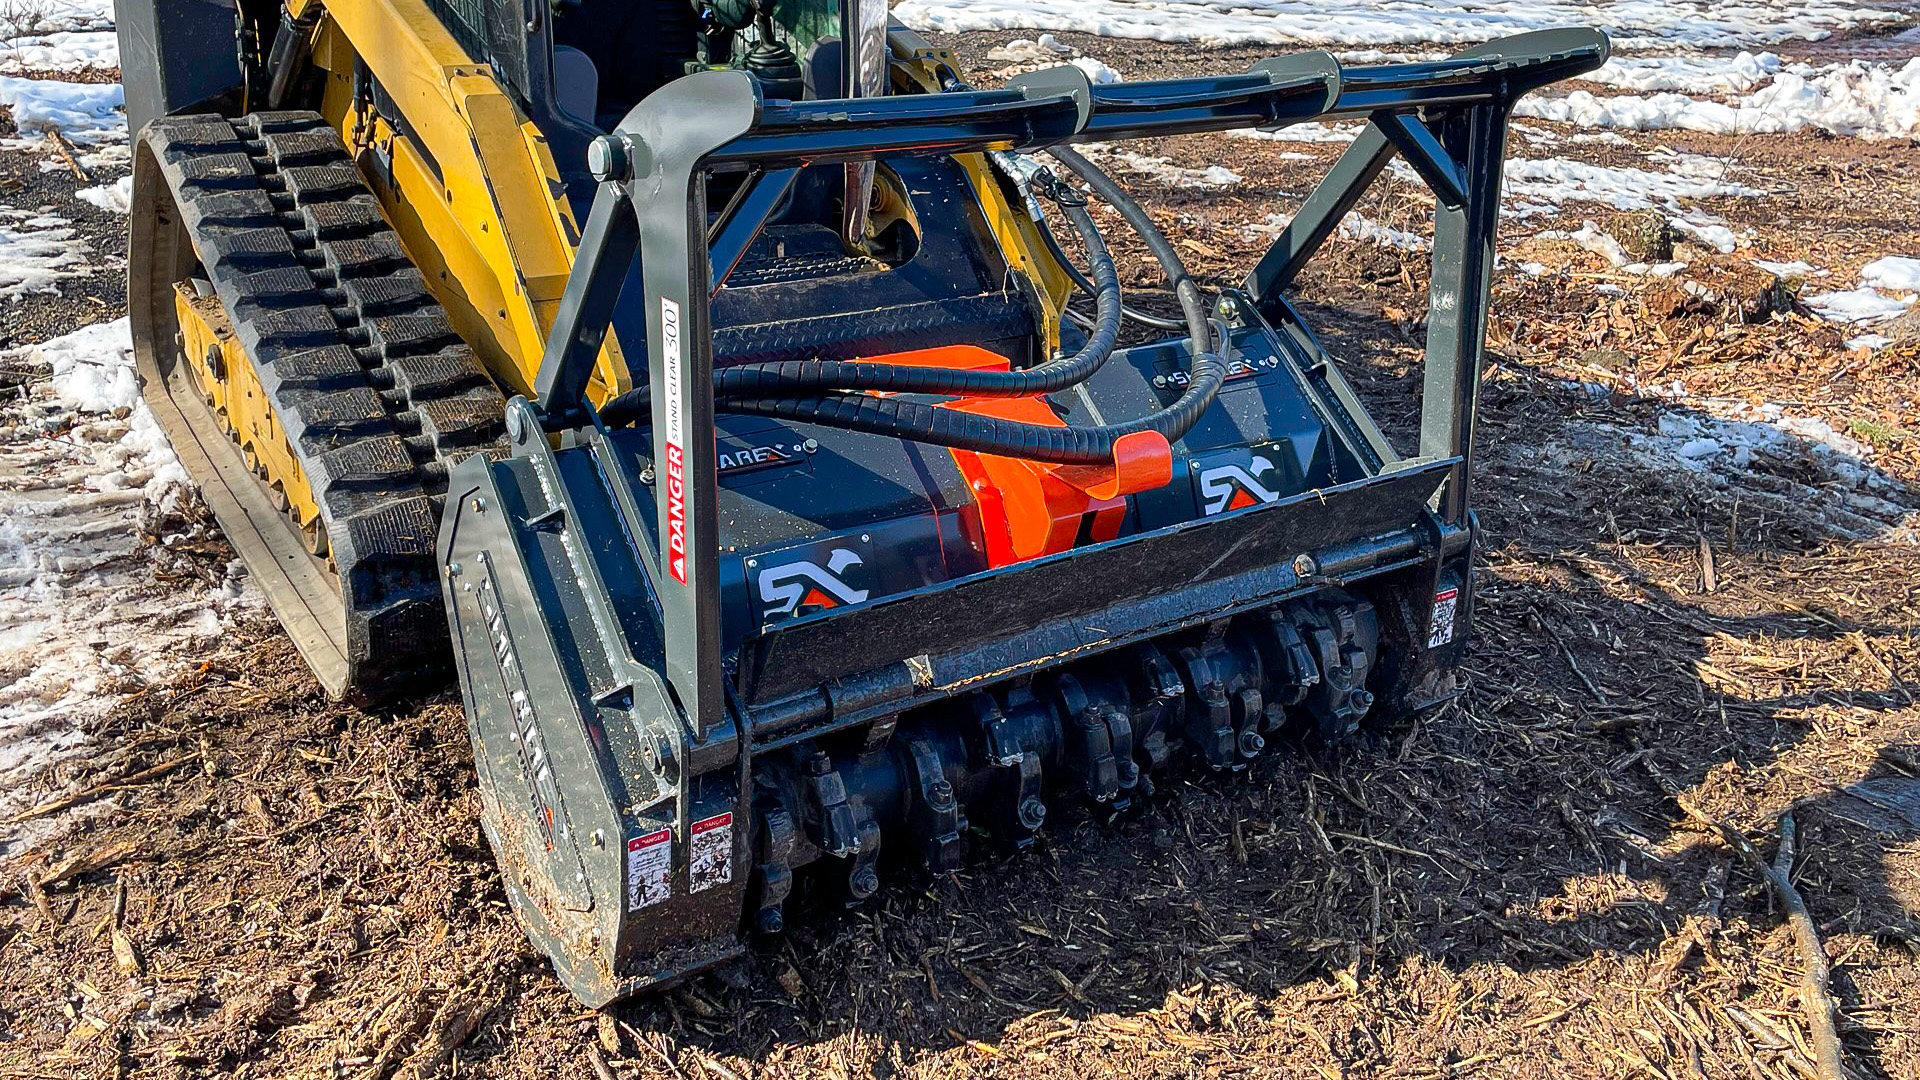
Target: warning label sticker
[(676, 441), (710, 853), (649, 869), (1440, 628)]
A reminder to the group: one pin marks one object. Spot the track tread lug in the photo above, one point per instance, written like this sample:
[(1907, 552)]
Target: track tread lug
[(313, 347)]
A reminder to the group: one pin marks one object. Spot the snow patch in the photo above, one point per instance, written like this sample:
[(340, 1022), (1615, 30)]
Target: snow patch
[(83, 467), (1865, 304), (1860, 98), (1355, 226), (85, 113), (1047, 50), (54, 16), (63, 51), (1313, 131), (38, 250), (1024, 54), (1896, 273), (1333, 23), (1694, 74), (1537, 185), (1099, 73), (1790, 271), (116, 197), (1759, 454), (1163, 169), (1591, 237)]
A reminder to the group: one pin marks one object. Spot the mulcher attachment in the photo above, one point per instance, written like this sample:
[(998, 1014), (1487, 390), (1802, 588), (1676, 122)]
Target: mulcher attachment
[(710, 653)]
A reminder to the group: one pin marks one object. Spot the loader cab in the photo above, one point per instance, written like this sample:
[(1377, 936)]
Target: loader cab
[(579, 66)]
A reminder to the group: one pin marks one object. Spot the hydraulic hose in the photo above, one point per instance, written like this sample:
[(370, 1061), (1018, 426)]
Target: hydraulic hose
[(920, 422), (800, 378), (1080, 282), (787, 379)]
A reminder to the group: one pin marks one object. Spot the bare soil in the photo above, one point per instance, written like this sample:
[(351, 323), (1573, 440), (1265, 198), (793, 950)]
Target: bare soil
[(270, 884)]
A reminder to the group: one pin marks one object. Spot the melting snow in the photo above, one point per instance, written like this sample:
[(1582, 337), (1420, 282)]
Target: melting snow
[(1696, 74), (1023, 54), (84, 112), (1758, 452), (1869, 100), (83, 467), (116, 196), (1895, 272), (1788, 271), (1333, 23), (1164, 169), (63, 50), (1865, 304), (1312, 131), (1535, 184), (1355, 226), (36, 251)]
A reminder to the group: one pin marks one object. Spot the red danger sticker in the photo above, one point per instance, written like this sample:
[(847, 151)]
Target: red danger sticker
[(677, 513), (676, 442)]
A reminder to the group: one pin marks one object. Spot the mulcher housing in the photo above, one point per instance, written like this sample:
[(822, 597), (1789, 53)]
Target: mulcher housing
[(709, 654)]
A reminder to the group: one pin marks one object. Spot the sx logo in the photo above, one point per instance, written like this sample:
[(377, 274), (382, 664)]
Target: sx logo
[(803, 586), (1232, 486)]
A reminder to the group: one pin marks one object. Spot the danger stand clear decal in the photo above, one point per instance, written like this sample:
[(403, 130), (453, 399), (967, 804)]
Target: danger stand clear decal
[(1440, 629), (676, 442), (710, 855), (649, 869)]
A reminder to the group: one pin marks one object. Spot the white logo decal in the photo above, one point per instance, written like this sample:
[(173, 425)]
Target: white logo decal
[(786, 588), (1230, 487)]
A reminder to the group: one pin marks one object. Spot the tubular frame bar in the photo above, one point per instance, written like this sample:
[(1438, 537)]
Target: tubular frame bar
[(1449, 120)]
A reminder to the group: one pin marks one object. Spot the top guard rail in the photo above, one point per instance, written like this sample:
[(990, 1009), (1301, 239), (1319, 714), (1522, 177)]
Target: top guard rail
[(649, 228)]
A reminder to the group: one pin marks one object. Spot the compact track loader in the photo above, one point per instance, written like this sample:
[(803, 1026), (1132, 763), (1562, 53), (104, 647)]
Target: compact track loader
[(702, 383)]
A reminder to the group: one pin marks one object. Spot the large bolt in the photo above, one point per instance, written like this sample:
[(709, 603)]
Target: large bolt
[(771, 921), (610, 159), (940, 794), (1304, 566), (864, 883), (1251, 743), (1033, 813)]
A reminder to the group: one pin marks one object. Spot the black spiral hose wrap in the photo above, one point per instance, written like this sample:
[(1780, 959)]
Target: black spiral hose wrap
[(830, 387)]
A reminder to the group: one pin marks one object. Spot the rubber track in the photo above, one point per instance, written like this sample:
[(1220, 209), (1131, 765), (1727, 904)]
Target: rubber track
[(376, 392)]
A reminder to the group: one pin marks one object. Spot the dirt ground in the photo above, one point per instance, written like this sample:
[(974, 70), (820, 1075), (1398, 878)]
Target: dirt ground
[(266, 884)]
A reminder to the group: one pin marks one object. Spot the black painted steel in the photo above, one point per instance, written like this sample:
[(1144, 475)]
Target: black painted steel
[(633, 602)]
